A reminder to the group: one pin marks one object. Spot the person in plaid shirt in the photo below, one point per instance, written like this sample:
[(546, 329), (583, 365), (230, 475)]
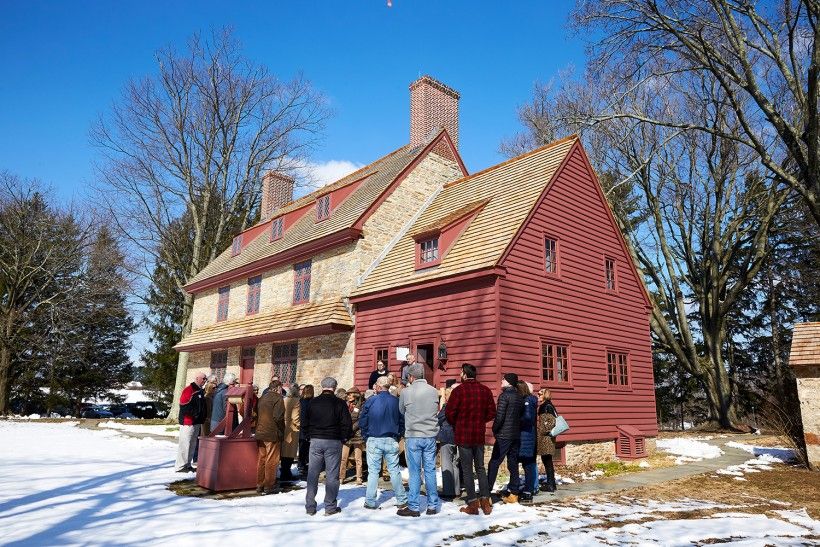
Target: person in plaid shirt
[(470, 407)]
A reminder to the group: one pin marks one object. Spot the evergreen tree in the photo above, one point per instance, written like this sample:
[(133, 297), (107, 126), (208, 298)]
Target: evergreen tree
[(94, 360)]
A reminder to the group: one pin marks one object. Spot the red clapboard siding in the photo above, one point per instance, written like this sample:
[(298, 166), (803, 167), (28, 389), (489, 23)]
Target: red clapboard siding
[(463, 314), (574, 308)]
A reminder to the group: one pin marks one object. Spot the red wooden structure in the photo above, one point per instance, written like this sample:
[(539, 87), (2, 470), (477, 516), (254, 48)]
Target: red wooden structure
[(227, 457), (562, 306)]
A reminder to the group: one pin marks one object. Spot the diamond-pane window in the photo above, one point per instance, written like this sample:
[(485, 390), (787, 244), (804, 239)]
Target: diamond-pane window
[(222, 305), (284, 362), (323, 207), (301, 282), (254, 293), (609, 267), (276, 228)]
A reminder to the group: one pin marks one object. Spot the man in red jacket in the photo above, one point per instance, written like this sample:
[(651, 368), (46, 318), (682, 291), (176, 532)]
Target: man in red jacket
[(470, 407), (191, 416)]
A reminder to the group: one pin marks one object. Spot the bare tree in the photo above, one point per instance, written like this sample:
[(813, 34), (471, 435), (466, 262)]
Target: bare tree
[(764, 57), (41, 249), (696, 212), (195, 139)]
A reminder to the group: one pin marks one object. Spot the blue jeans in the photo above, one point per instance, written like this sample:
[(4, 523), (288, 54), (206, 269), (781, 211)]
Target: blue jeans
[(387, 448), (421, 451)]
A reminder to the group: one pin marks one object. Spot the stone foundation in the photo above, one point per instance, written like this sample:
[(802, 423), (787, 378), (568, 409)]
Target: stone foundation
[(808, 389), (587, 453)]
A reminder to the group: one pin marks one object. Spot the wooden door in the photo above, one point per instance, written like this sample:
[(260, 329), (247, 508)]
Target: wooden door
[(246, 365)]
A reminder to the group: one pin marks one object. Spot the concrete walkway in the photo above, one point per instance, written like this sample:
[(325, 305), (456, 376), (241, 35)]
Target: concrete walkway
[(731, 456)]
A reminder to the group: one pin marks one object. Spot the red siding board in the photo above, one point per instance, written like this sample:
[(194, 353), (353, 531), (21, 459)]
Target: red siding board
[(498, 323), (575, 308)]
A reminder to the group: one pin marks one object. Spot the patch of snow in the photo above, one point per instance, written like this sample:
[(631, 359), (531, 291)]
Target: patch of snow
[(780, 453), (161, 430), (644, 463), (688, 450), (761, 463)]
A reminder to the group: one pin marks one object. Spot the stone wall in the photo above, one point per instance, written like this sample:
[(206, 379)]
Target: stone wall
[(808, 390), (334, 272), (579, 453)]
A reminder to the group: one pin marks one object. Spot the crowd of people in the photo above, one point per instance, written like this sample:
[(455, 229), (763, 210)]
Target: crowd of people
[(397, 417)]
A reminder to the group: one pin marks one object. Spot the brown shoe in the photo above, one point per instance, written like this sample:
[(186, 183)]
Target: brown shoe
[(471, 508), (510, 498), (486, 505)]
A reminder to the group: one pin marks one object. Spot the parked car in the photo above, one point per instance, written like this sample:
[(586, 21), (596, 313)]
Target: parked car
[(145, 409), (96, 411), (121, 412)]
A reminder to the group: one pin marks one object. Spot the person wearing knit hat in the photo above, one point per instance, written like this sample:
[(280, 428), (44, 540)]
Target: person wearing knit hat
[(507, 432)]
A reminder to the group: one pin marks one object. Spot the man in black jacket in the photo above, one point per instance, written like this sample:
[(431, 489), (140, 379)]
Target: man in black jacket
[(507, 432), (328, 425)]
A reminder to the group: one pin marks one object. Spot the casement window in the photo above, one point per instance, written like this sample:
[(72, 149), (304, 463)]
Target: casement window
[(610, 274), (236, 247), (277, 228), (555, 362), (219, 363), (428, 250), (254, 292), (323, 207), (222, 305), (382, 354), (551, 255), (617, 366), (284, 362), (301, 282)]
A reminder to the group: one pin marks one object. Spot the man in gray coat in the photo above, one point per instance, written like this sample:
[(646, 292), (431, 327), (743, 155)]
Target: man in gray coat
[(418, 403)]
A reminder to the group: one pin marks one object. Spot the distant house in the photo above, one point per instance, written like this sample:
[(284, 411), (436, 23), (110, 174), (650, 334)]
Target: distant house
[(519, 268)]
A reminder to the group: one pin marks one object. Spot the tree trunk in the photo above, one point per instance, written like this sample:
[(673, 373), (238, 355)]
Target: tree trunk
[(5, 364), (182, 363)]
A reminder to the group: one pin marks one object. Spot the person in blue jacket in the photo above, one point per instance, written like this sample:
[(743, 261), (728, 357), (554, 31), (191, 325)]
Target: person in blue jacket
[(382, 426)]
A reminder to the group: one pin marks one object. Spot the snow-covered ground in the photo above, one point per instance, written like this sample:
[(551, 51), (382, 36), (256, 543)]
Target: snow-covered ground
[(688, 450), (64, 485)]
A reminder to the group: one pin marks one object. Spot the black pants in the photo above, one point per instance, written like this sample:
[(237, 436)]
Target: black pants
[(472, 458), (546, 459), (304, 455), (504, 448)]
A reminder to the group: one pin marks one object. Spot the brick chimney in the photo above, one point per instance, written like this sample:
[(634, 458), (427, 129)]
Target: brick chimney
[(433, 105), (277, 190)]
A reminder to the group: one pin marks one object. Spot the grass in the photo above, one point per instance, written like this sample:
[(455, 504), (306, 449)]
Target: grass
[(617, 467)]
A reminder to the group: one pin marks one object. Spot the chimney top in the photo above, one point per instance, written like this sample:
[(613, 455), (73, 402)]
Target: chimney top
[(433, 105), (277, 191)]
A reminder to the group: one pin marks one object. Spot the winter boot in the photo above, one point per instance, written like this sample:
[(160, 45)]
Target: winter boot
[(510, 498), (471, 508), (486, 505)]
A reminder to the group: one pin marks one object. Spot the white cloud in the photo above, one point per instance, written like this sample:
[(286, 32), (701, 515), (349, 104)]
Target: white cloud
[(319, 174)]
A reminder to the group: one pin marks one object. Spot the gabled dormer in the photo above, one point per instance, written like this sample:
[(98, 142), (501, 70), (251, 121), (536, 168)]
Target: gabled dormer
[(435, 240)]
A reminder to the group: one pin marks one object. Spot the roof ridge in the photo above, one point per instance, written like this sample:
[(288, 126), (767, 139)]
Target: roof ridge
[(352, 176), (573, 137)]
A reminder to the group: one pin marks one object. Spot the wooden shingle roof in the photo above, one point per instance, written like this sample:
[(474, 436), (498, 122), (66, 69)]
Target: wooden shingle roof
[(506, 192), (332, 315), (375, 178), (805, 349)]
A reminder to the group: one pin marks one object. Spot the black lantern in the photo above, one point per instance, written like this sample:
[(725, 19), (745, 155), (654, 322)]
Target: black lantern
[(442, 351)]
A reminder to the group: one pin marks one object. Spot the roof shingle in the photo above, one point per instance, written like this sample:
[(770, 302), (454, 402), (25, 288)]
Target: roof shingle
[(805, 349), (507, 191)]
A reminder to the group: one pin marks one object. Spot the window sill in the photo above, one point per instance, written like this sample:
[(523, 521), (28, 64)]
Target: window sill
[(619, 388)]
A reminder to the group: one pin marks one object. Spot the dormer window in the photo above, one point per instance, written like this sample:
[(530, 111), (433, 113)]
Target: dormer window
[(236, 247), (323, 207), (428, 251), (277, 228)]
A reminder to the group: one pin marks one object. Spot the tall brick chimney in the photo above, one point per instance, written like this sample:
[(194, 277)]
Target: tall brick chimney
[(277, 190), (433, 105)]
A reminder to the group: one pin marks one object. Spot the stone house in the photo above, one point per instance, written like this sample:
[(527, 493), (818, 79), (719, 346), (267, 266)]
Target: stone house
[(518, 268), (804, 360), (276, 301)]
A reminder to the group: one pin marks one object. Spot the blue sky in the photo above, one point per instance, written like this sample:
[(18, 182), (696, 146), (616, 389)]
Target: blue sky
[(64, 63)]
